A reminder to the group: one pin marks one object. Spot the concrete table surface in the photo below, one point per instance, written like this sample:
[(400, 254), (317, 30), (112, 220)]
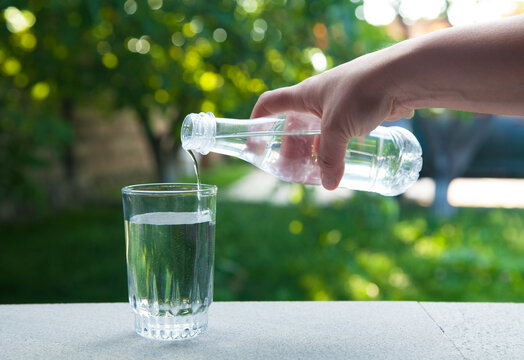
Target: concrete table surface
[(273, 330)]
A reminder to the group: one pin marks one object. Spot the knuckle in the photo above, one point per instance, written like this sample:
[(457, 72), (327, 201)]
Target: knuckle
[(306, 95), (326, 163), (264, 97)]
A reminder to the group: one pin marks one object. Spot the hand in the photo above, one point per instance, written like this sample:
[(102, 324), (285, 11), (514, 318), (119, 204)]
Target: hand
[(289, 157), (297, 161), (351, 100)]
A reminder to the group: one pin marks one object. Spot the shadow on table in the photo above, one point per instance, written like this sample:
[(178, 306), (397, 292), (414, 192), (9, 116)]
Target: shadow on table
[(227, 344)]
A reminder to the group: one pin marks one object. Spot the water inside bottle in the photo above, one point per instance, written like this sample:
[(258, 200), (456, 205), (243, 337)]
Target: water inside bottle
[(371, 163), (291, 155)]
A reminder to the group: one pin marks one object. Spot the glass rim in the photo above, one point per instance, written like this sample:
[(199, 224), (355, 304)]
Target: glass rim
[(138, 189)]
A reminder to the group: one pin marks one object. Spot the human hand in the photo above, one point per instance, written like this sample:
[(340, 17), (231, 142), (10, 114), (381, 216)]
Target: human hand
[(351, 100), (297, 158), (289, 157)]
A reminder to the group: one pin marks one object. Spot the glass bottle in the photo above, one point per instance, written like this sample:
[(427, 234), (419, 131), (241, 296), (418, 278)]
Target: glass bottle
[(386, 161)]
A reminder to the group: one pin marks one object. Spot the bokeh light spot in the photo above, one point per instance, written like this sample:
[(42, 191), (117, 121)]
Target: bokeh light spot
[(257, 36), (161, 96), (379, 12), (11, 66), (192, 60), (465, 12), (130, 7), (196, 25), (187, 30), (372, 290), (204, 47), (295, 227), (131, 44), (18, 21), (416, 9), (320, 30), (209, 81), (178, 39), (321, 295), (260, 25), (40, 90), (103, 30), (208, 106), (333, 237), (110, 60), (249, 6), (427, 247), (155, 4), (27, 41), (319, 61), (219, 35), (296, 193), (398, 278), (141, 46)]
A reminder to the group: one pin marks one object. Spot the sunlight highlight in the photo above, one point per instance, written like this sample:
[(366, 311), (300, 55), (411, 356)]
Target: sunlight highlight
[(379, 12), (460, 12), (465, 192), (18, 21)]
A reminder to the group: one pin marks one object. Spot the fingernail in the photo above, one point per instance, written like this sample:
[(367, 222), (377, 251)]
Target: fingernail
[(328, 182)]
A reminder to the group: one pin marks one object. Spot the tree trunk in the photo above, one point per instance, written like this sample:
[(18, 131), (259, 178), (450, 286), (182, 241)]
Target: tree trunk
[(452, 144), (441, 206), (154, 141), (163, 148), (68, 159)]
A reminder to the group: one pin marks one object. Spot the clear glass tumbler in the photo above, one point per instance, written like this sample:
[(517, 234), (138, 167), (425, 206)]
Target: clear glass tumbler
[(170, 246)]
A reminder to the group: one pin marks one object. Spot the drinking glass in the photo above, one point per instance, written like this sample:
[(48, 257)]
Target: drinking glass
[(170, 245)]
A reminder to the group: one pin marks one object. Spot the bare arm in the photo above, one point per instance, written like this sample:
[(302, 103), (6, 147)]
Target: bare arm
[(475, 68)]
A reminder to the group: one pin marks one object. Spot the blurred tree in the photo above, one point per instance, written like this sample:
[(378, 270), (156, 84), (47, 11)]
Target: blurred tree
[(157, 58), (451, 139)]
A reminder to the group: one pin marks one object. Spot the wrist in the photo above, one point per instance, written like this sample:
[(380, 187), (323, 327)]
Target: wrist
[(404, 83)]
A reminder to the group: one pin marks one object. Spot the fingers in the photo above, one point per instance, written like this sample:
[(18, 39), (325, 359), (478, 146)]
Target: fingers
[(332, 143), (331, 152), (292, 98), (399, 112)]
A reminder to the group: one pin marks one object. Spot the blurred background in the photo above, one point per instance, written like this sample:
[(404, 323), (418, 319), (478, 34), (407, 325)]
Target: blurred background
[(92, 95)]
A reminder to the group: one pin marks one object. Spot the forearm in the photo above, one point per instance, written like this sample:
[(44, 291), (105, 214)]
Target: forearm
[(475, 68)]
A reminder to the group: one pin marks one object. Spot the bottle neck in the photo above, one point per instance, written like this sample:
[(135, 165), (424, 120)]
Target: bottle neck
[(201, 132)]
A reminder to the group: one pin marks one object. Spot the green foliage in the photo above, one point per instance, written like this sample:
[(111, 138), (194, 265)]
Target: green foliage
[(366, 249), (68, 257), (197, 55), (179, 56), (218, 176)]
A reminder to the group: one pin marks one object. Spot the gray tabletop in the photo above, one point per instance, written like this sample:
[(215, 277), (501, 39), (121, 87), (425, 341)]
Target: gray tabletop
[(271, 330)]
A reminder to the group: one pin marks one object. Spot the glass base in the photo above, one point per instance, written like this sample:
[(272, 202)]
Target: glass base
[(170, 328)]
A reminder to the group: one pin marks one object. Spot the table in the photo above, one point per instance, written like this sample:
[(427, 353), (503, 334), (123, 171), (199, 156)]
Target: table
[(273, 330)]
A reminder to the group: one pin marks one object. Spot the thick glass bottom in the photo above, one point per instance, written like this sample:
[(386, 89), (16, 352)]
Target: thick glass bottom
[(169, 327)]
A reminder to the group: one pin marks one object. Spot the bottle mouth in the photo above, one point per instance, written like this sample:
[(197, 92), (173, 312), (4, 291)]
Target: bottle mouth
[(198, 132)]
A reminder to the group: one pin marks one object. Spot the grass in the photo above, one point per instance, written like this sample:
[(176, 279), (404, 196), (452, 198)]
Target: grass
[(73, 256), (368, 248)]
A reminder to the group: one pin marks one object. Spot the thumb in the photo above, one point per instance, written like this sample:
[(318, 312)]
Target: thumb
[(292, 98), (331, 153)]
